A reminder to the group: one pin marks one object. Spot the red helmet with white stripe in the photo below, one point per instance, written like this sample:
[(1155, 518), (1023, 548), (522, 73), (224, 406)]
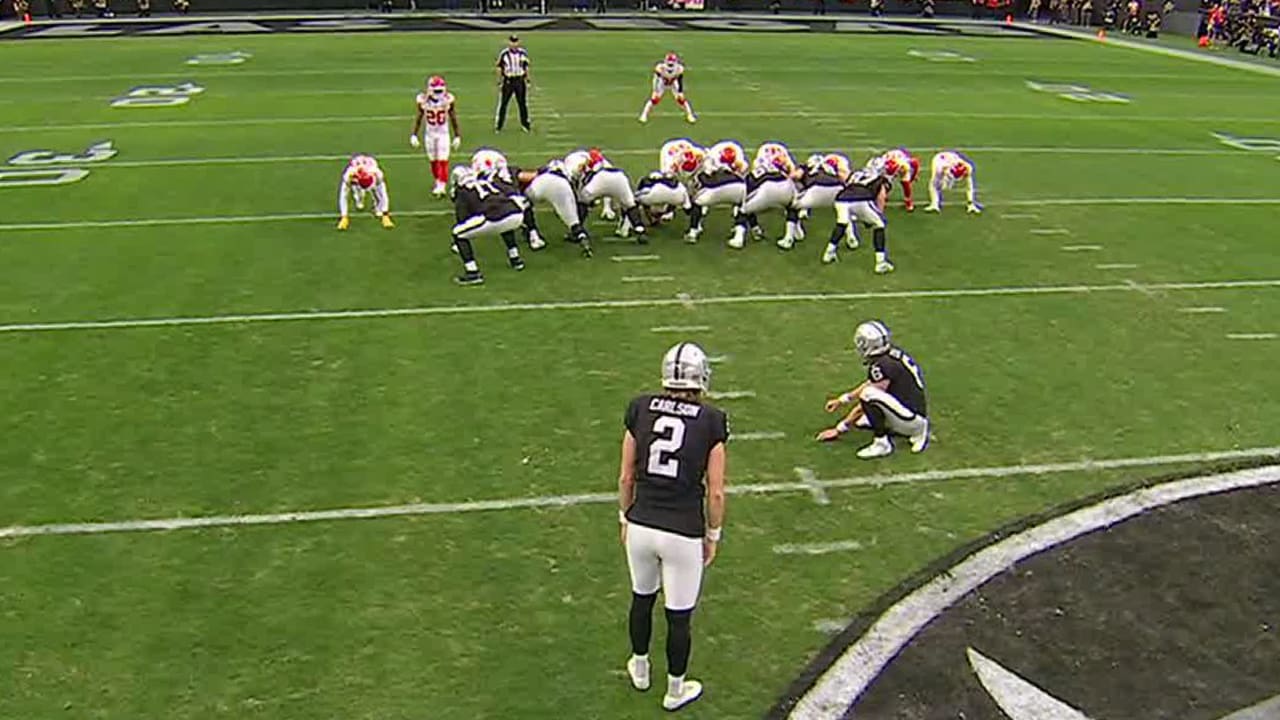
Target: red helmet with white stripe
[(594, 158), (364, 178), (959, 170), (671, 58), (891, 167), (729, 155), (689, 161), (436, 85)]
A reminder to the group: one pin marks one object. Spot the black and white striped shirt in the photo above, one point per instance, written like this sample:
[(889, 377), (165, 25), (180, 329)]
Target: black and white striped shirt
[(514, 62)]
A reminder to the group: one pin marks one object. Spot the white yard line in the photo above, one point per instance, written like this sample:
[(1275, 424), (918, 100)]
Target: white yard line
[(1020, 216), (1203, 310), (1142, 288), (822, 548), (647, 278), (862, 662), (1050, 231), (1252, 336), (717, 359), (284, 217), (553, 501), (680, 328), (751, 436), (635, 258), (731, 394), (1115, 266), (810, 480), (727, 114), (1081, 248), (431, 310)]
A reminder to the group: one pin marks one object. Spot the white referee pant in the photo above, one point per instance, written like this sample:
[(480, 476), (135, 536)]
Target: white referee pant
[(609, 183), (664, 560), (768, 195), (557, 192), (897, 417), (660, 195), (478, 226)]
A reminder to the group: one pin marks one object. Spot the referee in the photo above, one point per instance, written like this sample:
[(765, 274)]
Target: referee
[(513, 76)]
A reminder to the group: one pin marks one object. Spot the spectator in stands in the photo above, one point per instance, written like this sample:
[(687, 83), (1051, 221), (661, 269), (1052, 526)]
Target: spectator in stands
[(182, 7), (103, 9), (819, 7), (1033, 11), (54, 11), (144, 8)]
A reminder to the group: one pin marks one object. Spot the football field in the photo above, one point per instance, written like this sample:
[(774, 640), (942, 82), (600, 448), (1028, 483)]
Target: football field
[(186, 335)]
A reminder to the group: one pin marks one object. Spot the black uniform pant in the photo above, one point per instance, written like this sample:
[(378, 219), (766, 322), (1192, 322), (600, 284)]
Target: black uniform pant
[(518, 87)]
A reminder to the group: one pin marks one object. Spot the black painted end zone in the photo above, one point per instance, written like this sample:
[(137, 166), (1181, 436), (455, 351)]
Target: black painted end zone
[(827, 657), (319, 24)]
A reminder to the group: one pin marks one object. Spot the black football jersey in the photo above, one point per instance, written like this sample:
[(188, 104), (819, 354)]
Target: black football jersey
[(657, 179), (861, 188), (756, 179), (906, 380), (819, 178), (476, 196), (717, 178), (674, 439)]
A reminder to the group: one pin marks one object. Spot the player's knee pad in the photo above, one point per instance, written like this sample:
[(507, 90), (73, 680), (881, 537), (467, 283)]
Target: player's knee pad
[(655, 99), (680, 100)]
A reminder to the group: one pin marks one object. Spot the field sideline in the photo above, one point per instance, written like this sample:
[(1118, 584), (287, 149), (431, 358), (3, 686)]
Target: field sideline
[(192, 346)]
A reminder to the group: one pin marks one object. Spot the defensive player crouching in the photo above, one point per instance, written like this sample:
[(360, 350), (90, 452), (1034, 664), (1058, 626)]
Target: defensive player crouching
[(483, 210), (720, 180), (769, 185), (550, 185), (435, 109), (817, 185), (668, 76), (862, 199), (596, 179), (890, 402), (900, 165), (949, 167), (673, 462), (363, 177)]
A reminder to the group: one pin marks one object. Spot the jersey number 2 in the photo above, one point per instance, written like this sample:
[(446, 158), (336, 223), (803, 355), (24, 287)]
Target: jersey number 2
[(671, 437)]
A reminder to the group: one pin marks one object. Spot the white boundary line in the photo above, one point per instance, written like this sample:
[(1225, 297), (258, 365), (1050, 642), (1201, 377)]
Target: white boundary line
[(1049, 231), (1203, 310), (848, 678), (287, 217), (1115, 266), (551, 501), (429, 310), (648, 278), (817, 549), (1252, 336), (1081, 248), (635, 258)]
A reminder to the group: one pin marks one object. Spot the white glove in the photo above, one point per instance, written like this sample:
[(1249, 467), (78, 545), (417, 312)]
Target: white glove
[(414, 141), (973, 208), (457, 142)]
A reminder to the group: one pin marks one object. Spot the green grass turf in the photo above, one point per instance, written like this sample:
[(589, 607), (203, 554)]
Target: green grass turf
[(522, 613)]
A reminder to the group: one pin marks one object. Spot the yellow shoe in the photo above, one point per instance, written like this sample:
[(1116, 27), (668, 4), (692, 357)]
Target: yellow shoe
[(344, 222), (386, 222)]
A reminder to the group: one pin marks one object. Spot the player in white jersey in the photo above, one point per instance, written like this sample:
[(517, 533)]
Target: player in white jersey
[(902, 167), (817, 185), (769, 186), (435, 110), (948, 168), (596, 179), (719, 181), (668, 76), (361, 178), (681, 158)]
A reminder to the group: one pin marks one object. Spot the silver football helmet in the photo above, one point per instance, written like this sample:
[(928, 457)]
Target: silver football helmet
[(871, 338), (685, 367)]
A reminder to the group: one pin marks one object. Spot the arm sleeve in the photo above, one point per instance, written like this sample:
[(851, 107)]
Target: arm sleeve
[(632, 416), (720, 429), (973, 187), (344, 193), (381, 198)]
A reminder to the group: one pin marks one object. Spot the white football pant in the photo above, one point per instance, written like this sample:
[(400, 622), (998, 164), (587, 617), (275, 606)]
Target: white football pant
[(557, 192), (661, 559)]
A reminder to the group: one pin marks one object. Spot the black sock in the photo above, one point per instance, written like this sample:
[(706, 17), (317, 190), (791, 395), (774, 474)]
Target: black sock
[(752, 220), (509, 239), (641, 622), (530, 222), (875, 417), (582, 211), (578, 233), (464, 250), (633, 216), (837, 233), (695, 217), (679, 641), (793, 215), (877, 239)]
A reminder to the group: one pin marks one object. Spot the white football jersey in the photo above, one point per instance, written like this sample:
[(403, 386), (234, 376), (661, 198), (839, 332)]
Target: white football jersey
[(435, 111)]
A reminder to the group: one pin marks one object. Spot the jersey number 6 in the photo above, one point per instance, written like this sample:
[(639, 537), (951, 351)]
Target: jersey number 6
[(671, 437)]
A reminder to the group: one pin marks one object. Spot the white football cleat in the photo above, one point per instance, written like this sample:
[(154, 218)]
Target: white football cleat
[(439, 189), (880, 447), (643, 118), (667, 216), (851, 239), (757, 232), (975, 209), (690, 690), (804, 213), (883, 267), (608, 214), (830, 255), (933, 208), (535, 241), (638, 670), (786, 244), (739, 238), (921, 441), (692, 236), (691, 118)]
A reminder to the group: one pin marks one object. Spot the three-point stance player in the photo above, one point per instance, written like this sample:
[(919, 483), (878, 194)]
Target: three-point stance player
[(673, 462), (361, 178)]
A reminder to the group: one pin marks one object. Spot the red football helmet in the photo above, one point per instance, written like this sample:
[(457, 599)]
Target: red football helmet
[(364, 178), (891, 167), (689, 161), (959, 170), (435, 85), (594, 157), (671, 58), (729, 156)]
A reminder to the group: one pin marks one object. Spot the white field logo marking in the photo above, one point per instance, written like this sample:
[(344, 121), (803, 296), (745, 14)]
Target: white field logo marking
[(940, 56), (1078, 92), (236, 57), (34, 165), (158, 96)]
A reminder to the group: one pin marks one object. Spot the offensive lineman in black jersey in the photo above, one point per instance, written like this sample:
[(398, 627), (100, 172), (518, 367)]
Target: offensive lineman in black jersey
[(673, 461), (483, 209), (862, 200), (891, 401)]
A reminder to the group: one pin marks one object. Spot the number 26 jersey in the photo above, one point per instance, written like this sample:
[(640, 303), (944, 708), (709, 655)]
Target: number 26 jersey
[(674, 439)]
